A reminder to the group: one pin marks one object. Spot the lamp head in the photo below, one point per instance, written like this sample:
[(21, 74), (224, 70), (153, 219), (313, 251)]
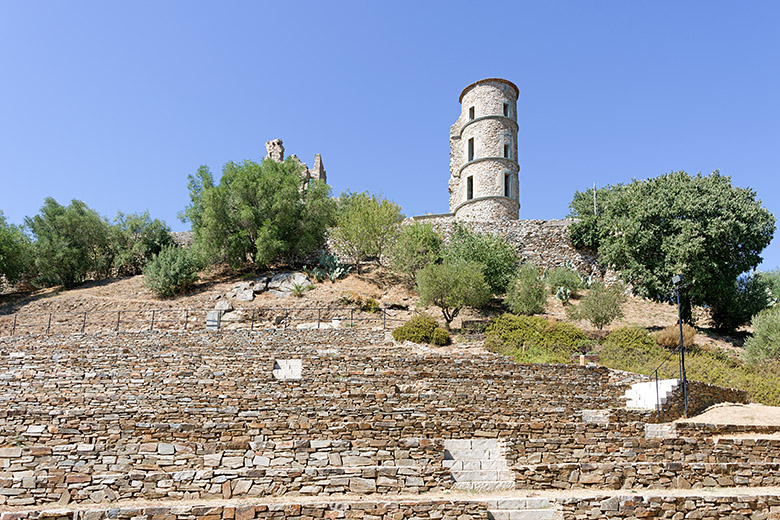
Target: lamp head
[(677, 279)]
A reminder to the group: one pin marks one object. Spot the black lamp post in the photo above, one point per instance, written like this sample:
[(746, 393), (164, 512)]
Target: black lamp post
[(676, 280)]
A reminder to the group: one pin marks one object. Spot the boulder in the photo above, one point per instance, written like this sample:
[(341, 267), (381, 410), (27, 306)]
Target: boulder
[(281, 284), (223, 305), (245, 295)]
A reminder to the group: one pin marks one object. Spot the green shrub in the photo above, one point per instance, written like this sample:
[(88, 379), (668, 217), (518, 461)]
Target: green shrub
[(417, 245), (172, 271), (764, 344), (772, 279), (751, 294), (422, 329), (526, 294), (497, 257), (601, 306), (440, 337), (532, 339), (564, 277), (632, 349)]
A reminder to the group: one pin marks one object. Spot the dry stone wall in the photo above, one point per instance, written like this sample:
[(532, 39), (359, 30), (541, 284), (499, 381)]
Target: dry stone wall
[(104, 418), (546, 243)]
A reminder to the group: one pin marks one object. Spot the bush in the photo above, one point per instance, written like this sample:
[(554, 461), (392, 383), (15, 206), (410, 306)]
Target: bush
[(422, 329), (417, 245), (526, 294), (669, 338), (171, 272), (750, 295), (764, 344), (452, 286), (497, 257), (564, 277), (772, 279), (532, 339), (135, 239), (631, 349), (601, 306)]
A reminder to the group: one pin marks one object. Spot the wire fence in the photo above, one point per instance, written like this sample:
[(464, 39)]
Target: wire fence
[(150, 320)]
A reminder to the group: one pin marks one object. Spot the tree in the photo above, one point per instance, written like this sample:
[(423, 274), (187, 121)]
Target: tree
[(71, 243), (136, 239), (601, 306), (365, 225), (171, 272), (452, 286), (749, 295), (416, 246), (527, 294), (14, 251), (497, 257), (699, 226), (258, 213)]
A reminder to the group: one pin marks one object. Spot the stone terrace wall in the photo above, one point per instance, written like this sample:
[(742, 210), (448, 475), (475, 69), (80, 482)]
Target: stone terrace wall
[(721, 507), (544, 242), (368, 510), (199, 415)]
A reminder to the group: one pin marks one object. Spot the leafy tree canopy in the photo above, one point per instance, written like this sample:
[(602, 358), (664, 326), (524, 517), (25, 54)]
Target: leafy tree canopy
[(14, 251), (699, 226), (497, 257), (416, 246), (71, 243), (136, 239), (366, 225), (258, 213), (452, 286)]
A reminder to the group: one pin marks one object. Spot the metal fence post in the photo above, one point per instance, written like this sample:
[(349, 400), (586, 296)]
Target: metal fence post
[(252, 325), (186, 317), (13, 329), (118, 318), (351, 316), (151, 326), (84, 322), (384, 319), (318, 317), (48, 325)]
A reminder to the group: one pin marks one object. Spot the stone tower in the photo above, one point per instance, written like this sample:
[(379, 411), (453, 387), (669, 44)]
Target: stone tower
[(484, 171)]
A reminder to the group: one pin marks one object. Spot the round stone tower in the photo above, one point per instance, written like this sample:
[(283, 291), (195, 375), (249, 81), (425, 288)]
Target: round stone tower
[(484, 171)]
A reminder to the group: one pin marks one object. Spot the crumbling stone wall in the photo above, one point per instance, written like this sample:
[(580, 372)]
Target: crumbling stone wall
[(546, 243)]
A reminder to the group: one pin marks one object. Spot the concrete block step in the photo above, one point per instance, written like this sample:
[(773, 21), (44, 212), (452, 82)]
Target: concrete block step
[(481, 475), (479, 454), (524, 514), (500, 485), (460, 465), (519, 503)]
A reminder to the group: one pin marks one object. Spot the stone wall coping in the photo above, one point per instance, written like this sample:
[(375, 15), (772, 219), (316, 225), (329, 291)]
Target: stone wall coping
[(489, 80), (483, 159), (482, 118)]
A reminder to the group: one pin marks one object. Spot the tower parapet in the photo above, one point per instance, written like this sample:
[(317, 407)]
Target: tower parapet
[(484, 169)]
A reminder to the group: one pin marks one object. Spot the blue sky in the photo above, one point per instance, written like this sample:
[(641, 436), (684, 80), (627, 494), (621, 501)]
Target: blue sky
[(115, 103)]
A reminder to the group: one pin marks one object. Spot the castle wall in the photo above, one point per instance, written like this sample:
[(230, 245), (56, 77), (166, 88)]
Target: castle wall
[(544, 242)]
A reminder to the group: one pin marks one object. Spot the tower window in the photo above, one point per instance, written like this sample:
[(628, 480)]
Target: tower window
[(506, 151), (507, 185), (471, 149), (506, 109), (469, 188), (471, 113)]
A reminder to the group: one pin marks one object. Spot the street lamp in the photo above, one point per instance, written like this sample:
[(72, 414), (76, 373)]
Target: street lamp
[(677, 280)]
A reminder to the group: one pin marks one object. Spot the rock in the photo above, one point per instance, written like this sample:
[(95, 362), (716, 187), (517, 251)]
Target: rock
[(362, 485), (224, 305), (261, 284), (281, 284), (245, 295), (243, 286)]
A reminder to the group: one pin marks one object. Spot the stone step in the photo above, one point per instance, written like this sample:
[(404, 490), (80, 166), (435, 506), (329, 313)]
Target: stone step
[(460, 465), (481, 475), (498, 485), (523, 514), (519, 503)]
